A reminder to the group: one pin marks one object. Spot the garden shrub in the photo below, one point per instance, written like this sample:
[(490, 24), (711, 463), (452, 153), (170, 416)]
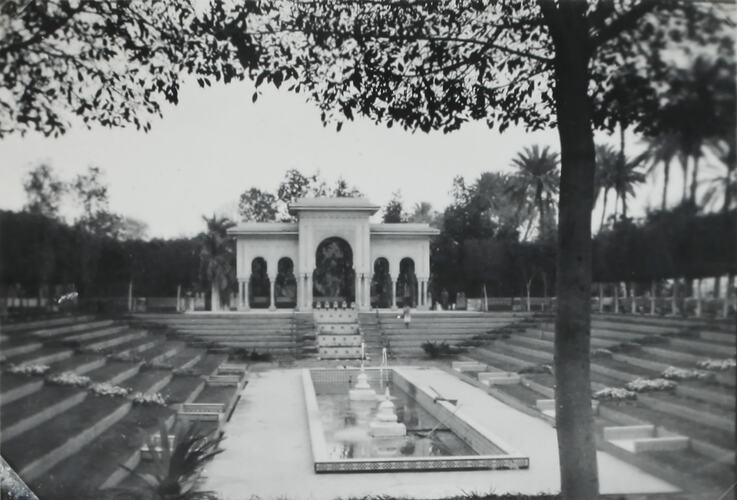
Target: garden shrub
[(28, 370), (601, 354), (673, 373), (436, 350)]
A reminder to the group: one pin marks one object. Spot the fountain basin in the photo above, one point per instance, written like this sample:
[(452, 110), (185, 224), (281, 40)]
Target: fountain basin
[(427, 435)]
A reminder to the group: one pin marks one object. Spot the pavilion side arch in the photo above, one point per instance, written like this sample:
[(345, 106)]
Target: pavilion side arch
[(259, 285), (285, 286), (381, 284), (407, 290)]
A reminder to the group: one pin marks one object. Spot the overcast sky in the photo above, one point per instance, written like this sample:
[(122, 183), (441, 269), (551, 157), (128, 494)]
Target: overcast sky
[(216, 143)]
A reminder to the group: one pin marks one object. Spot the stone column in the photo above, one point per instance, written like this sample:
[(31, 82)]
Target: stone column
[(357, 290), (601, 297), (633, 304), (674, 298), (698, 298), (272, 295), (367, 291), (616, 297), (308, 291), (652, 298), (394, 292)]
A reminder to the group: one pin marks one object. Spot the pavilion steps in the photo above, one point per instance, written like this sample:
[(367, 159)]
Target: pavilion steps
[(724, 325)]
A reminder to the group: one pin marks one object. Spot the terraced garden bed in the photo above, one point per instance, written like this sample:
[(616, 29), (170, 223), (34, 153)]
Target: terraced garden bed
[(216, 394), (209, 363), (144, 380), (102, 457), (10, 381), (28, 406), (520, 392), (21, 450), (715, 474), (180, 387), (111, 370), (672, 423)]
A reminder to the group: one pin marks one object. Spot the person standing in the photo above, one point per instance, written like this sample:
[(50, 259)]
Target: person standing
[(407, 315)]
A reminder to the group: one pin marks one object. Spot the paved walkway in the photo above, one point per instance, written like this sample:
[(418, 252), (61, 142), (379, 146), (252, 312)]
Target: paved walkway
[(268, 450)]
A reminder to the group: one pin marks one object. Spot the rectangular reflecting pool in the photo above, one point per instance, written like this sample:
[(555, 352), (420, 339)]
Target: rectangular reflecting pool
[(377, 421)]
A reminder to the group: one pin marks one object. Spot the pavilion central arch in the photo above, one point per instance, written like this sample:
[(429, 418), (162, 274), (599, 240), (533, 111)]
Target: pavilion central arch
[(332, 252), (334, 279)]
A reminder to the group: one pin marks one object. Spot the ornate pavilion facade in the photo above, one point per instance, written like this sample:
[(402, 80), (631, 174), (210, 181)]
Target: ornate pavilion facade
[(332, 253)]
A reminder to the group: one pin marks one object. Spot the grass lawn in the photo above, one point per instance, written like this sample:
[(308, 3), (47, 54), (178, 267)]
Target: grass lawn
[(180, 388)]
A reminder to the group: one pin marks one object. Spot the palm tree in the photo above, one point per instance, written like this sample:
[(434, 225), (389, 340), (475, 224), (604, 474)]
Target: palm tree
[(662, 149), (724, 150), (537, 180), (217, 257), (625, 176), (606, 164)]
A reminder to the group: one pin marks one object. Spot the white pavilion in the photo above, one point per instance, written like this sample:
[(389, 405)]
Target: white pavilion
[(332, 254)]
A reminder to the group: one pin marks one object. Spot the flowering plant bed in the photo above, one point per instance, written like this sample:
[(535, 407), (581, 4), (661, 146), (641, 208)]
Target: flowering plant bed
[(717, 364), (614, 394), (108, 390), (28, 370), (673, 373), (650, 385), (156, 398), (69, 379)]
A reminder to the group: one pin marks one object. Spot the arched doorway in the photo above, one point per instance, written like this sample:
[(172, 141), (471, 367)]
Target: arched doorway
[(259, 296), (285, 288), (381, 284), (334, 277), (407, 283)]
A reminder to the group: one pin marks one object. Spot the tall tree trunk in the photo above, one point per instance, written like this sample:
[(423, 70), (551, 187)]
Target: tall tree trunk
[(574, 417), (694, 178), (603, 209), (666, 175), (684, 167), (616, 203), (624, 205)]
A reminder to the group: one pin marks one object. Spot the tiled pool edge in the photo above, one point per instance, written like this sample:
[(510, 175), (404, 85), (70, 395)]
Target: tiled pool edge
[(322, 463)]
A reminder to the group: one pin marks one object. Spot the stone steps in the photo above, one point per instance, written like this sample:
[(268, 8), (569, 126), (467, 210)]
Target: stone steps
[(114, 372), (92, 335), (77, 327), (42, 356), (26, 326), (115, 339), (29, 412), (14, 387), (79, 364), (15, 347), (31, 454), (102, 456)]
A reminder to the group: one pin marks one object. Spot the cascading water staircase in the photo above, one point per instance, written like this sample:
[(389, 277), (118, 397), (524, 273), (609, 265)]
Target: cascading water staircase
[(338, 334)]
